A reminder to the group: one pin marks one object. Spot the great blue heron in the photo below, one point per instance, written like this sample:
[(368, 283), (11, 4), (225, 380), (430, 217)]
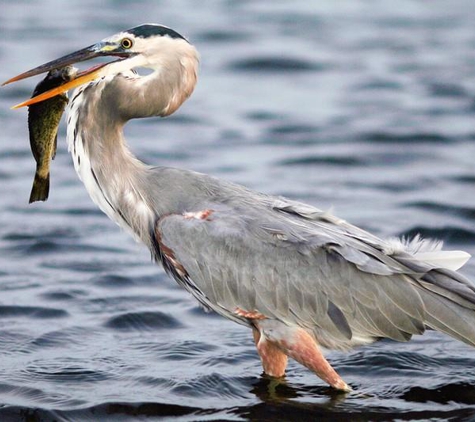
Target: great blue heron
[(299, 277)]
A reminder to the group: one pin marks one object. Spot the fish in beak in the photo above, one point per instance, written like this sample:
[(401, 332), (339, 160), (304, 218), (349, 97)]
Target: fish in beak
[(96, 50)]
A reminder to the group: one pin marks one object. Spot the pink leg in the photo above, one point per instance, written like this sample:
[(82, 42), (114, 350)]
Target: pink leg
[(275, 341), (274, 361), (304, 349)]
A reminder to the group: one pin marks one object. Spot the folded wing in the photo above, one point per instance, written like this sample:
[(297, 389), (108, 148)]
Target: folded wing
[(307, 268)]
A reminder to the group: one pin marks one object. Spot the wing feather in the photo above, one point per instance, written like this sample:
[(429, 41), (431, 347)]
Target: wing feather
[(310, 269)]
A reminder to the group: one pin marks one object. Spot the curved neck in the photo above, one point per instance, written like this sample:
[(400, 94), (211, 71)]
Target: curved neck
[(115, 179), (109, 171)]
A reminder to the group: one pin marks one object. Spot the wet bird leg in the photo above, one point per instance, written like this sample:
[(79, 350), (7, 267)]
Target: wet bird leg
[(302, 347), (274, 361), (275, 341)]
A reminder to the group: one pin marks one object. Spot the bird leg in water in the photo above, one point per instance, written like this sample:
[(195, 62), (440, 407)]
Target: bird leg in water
[(302, 347), (274, 361), (275, 341)]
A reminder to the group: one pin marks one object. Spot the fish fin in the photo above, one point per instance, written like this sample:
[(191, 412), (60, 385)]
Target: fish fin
[(40, 189)]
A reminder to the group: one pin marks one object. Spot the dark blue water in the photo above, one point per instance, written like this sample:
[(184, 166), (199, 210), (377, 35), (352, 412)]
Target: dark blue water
[(364, 106)]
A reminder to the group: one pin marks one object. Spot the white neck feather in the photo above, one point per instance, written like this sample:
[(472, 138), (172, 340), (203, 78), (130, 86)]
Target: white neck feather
[(113, 176)]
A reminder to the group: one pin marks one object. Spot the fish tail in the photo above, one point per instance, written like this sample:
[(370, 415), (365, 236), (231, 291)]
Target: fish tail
[(40, 189)]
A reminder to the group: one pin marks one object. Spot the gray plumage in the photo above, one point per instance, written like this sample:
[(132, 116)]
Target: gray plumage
[(314, 273), (235, 249)]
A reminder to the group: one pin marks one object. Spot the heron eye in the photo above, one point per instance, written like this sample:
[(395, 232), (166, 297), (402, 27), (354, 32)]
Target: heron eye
[(126, 43)]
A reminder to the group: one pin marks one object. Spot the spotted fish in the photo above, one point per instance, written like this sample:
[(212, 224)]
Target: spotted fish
[(43, 122)]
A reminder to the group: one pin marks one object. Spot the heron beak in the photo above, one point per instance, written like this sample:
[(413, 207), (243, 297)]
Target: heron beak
[(80, 79), (96, 50)]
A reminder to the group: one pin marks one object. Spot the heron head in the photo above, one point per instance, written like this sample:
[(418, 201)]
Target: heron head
[(148, 45)]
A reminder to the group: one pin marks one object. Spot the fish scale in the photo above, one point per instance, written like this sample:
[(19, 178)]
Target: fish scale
[(43, 122)]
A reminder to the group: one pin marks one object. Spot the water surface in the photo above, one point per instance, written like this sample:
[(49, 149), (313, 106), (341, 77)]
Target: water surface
[(366, 107)]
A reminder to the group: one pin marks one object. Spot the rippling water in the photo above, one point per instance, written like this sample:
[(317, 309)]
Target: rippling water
[(361, 105)]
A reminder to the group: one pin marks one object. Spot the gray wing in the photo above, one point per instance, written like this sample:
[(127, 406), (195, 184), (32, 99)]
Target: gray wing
[(303, 267)]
